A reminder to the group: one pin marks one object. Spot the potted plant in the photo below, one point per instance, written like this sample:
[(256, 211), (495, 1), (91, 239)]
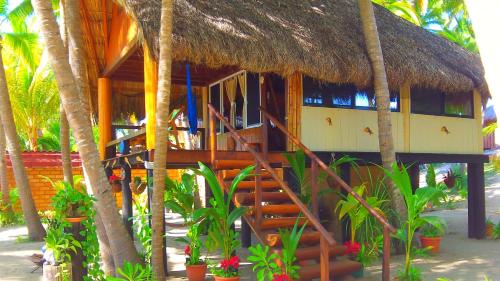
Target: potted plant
[(415, 204), (490, 226), (57, 255), (431, 234), (137, 186), (220, 234), (496, 232), (180, 198), (71, 203), (116, 183), (450, 179), (278, 266)]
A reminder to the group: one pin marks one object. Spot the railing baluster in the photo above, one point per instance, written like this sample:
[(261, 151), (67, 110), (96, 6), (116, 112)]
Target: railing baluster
[(314, 188), (213, 137), (258, 194), (386, 270), (324, 259)]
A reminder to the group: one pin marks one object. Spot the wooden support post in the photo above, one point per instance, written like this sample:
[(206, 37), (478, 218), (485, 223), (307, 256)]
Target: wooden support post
[(386, 270), (258, 195), (476, 200), (104, 114), (213, 138), (265, 120), (314, 188), (78, 270), (150, 91), (414, 172), (405, 111), (325, 260), (127, 212)]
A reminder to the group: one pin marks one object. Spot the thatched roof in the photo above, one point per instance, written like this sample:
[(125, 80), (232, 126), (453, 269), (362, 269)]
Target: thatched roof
[(320, 38)]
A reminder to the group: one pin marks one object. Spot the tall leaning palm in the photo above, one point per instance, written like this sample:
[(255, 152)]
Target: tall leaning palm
[(382, 96), (162, 106), (4, 184), (35, 228), (121, 243)]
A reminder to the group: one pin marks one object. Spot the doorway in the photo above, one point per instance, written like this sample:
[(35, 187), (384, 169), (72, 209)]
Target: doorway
[(275, 96)]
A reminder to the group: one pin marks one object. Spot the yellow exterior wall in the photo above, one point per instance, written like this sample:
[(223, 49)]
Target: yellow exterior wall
[(336, 129)]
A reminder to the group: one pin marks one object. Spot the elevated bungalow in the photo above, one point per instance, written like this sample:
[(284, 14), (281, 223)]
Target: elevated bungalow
[(305, 65)]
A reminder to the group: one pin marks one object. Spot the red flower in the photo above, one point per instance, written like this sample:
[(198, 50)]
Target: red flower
[(187, 251), (352, 248), (234, 262), (113, 178), (281, 277)]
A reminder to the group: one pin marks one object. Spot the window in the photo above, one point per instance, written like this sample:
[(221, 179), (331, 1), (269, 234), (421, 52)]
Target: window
[(342, 96), (234, 90), (434, 102)]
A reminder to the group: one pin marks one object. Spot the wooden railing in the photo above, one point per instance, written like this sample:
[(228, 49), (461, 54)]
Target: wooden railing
[(317, 163), (261, 162)]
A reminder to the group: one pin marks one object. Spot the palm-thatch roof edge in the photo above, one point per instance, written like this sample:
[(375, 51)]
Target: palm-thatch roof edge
[(322, 39)]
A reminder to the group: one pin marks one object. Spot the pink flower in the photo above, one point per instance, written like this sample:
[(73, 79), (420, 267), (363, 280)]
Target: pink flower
[(352, 248), (225, 264), (234, 262), (281, 277), (187, 251)]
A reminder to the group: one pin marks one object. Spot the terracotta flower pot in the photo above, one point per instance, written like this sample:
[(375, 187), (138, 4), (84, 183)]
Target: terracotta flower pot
[(116, 186), (196, 272), (489, 230), (434, 243), (76, 219), (218, 278)]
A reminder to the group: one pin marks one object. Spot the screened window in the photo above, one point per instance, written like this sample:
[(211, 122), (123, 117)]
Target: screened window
[(434, 102), (342, 95)]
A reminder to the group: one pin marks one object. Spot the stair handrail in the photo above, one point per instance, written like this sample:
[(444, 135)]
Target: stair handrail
[(314, 221), (388, 228)]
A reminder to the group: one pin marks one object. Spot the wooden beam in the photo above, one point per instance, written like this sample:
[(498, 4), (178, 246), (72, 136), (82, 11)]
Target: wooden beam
[(476, 201), (105, 22), (150, 90), (104, 106), (404, 99)]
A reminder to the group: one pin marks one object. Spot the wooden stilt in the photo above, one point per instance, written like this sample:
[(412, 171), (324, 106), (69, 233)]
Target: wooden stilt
[(476, 200), (127, 212)]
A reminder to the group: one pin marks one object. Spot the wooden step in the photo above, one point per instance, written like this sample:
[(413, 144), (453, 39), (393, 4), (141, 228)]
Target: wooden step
[(272, 197), (266, 184), (232, 164), (282, 209), (231, 174), (285, 222), (337, 268), (309, 237), (308, 253)]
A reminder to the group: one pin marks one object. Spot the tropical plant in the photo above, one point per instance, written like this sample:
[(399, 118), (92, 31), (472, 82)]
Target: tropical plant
[(143, 229), (69, 201), (265, 262), (350, 207), (220, 234), (430, 176), (8, 216), (130, 272), (61, 244), (180, 198), (120, 242), (415, 204), (434, 230), (297, 161), (496, 232)]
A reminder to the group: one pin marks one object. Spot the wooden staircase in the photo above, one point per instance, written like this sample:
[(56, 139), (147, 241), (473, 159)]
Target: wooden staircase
[(273, 205), (279, 211)]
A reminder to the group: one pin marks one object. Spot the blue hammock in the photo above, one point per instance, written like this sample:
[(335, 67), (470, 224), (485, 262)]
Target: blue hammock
[(191, 104)]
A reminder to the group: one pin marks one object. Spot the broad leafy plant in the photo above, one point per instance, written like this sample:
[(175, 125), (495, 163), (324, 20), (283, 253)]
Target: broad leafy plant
[(180, 198), (8, 215), (143, 229), (297, 161), (61, 244), (220, 234), (266, 262), (130, 272), (415, 204)]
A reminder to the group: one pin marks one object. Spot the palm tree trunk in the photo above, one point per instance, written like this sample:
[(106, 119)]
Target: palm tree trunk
[(4, 184), (36, 231), (162, 111), (120, 242), (104, 248), (64, 131), (382, 97)]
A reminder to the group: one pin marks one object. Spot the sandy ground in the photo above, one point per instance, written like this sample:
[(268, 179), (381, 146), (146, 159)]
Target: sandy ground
[(461, 259)]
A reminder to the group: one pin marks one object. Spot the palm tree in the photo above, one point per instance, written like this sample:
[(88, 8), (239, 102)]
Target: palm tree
[(14, 43), (162, 118), (382, 97), (121, 243), (4, 184)]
